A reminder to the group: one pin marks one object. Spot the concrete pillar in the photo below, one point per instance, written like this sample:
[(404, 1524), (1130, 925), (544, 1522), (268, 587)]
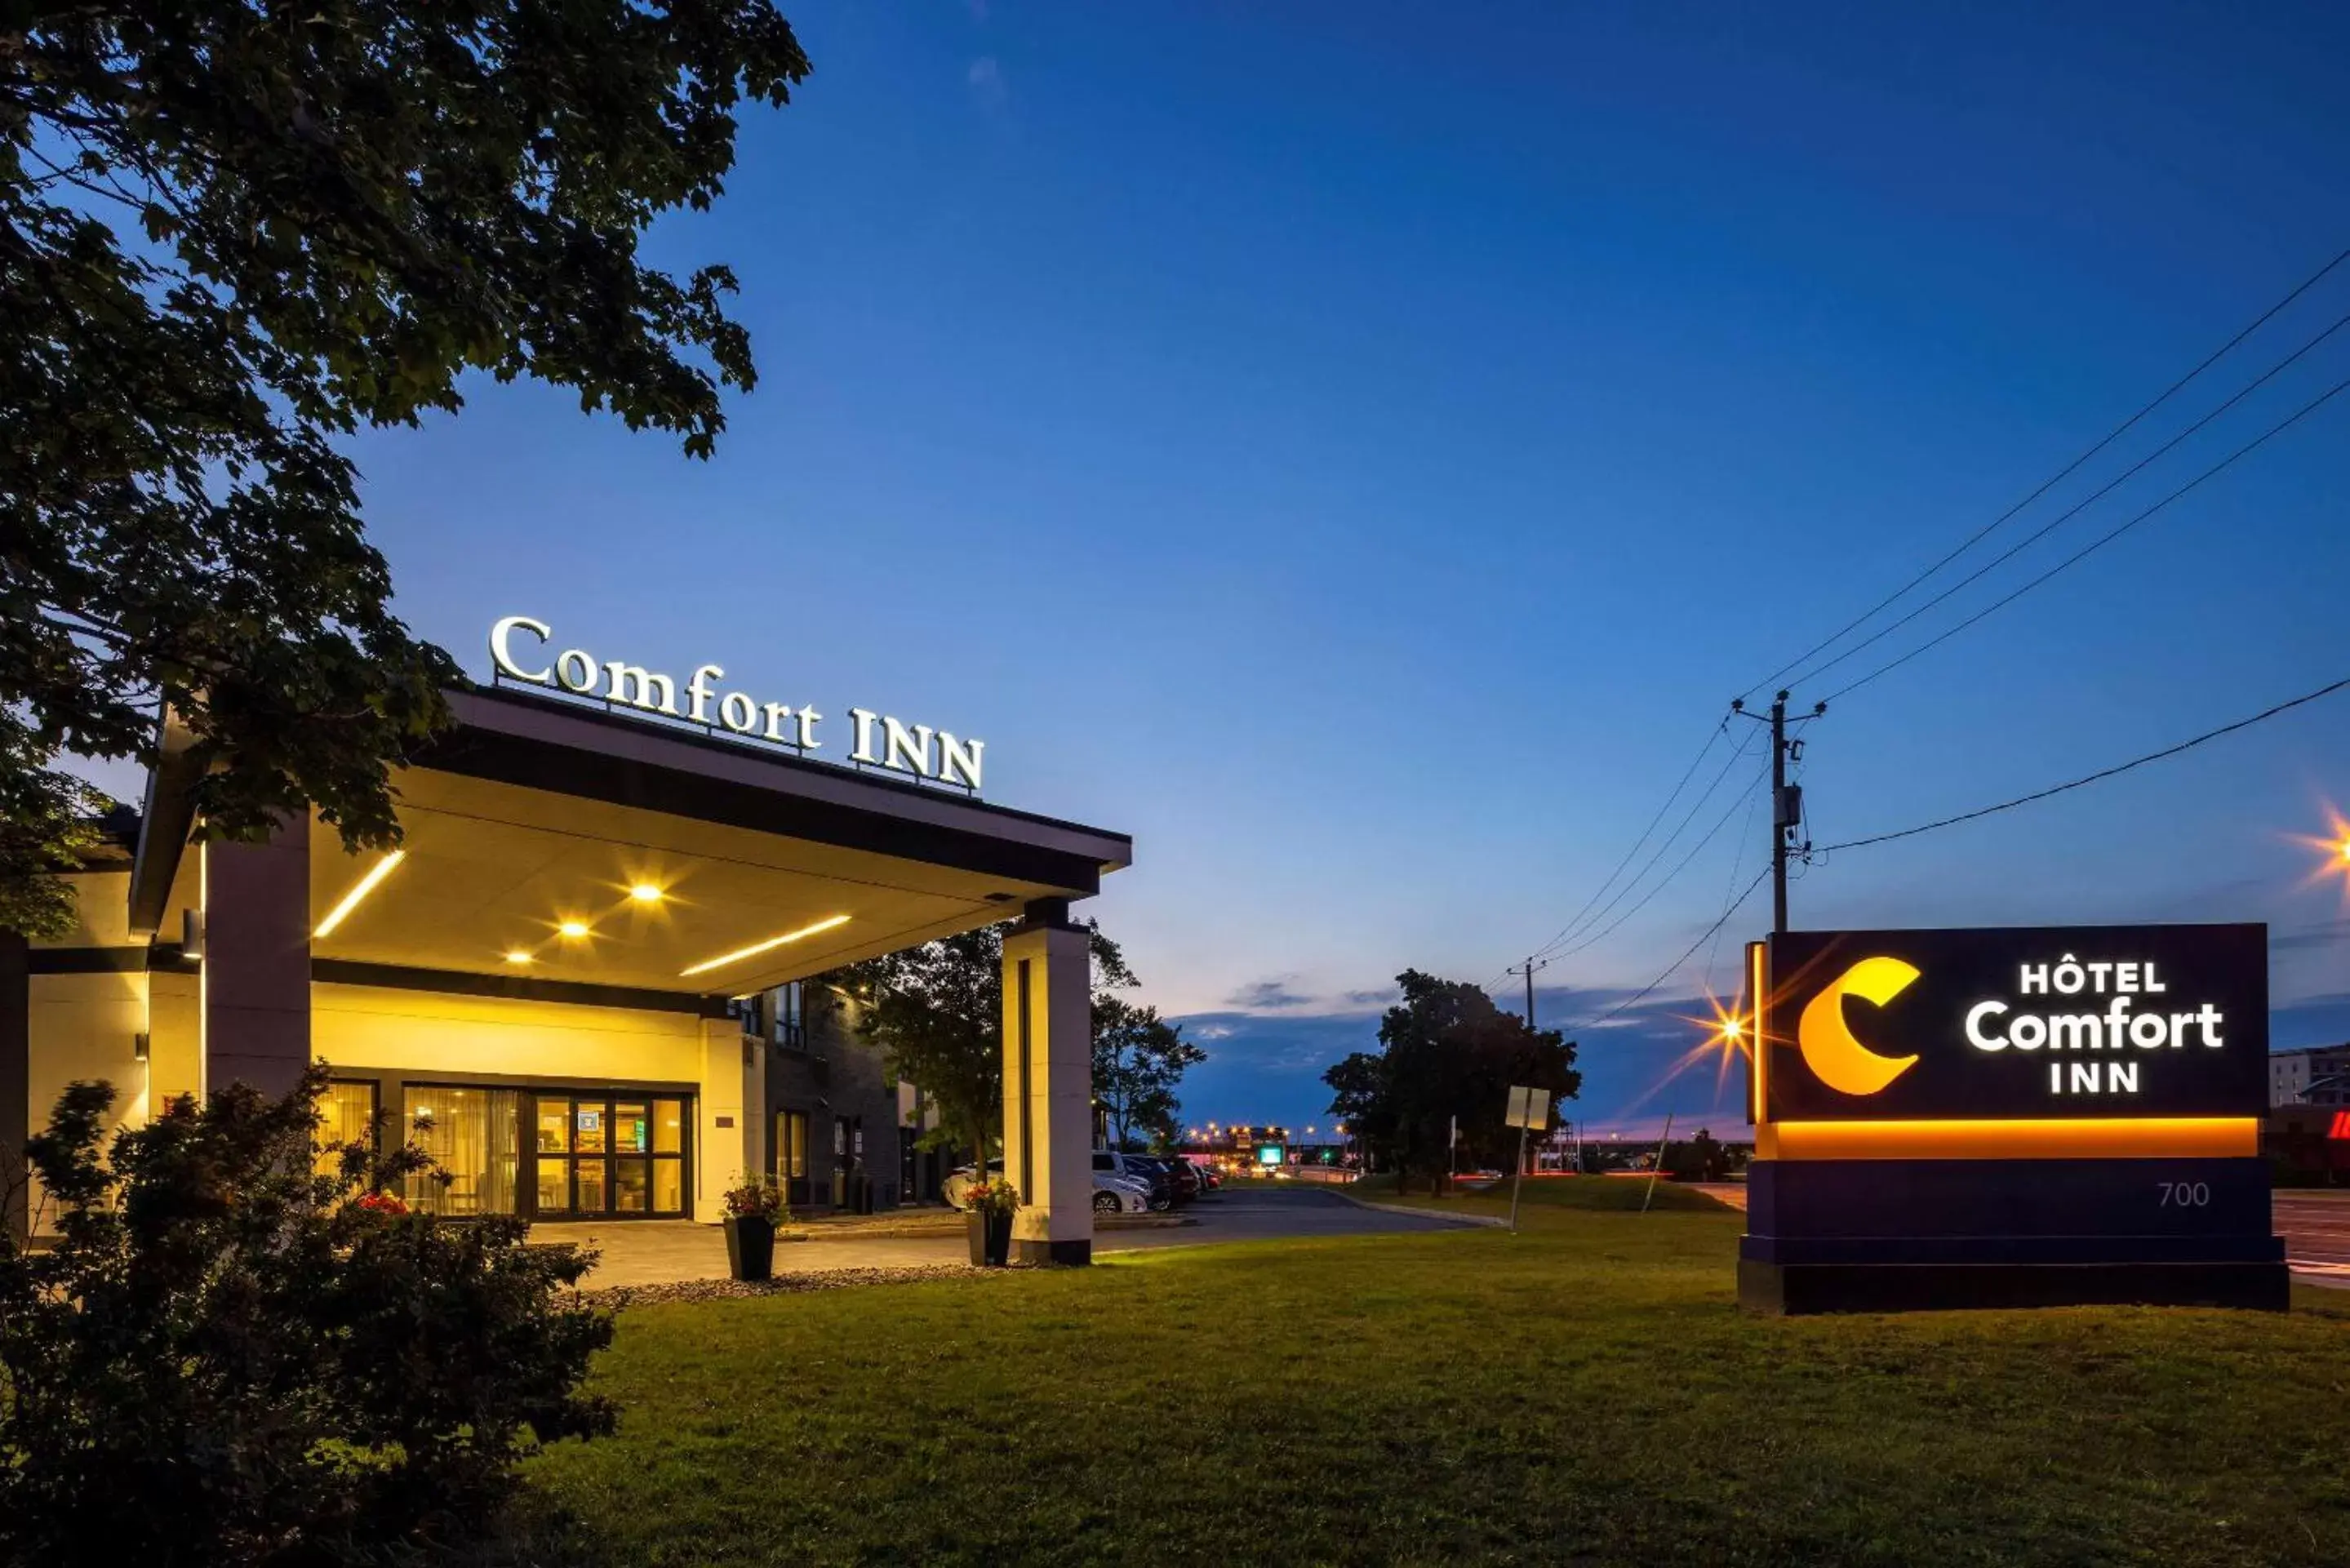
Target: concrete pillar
[(1048, 1085), (726, 1146), (15, 1082), (257, 963)]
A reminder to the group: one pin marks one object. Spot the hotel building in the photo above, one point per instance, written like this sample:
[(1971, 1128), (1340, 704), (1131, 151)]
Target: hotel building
[(582, 981)]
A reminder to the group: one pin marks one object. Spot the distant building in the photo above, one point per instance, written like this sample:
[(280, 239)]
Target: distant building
[(2318, 1075)]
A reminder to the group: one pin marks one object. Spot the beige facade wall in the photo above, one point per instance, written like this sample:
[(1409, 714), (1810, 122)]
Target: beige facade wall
[(86, 1026), (421, 1032), (175, 1034)]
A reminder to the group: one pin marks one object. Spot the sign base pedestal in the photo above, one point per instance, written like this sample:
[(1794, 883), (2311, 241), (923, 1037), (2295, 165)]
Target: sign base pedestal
[(1796, 1289)]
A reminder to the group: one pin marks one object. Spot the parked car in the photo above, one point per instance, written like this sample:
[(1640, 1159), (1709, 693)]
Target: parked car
[(1185, 1178), (959, 1181), (1138, 1168), (1210, 1181), (1116, 1194)]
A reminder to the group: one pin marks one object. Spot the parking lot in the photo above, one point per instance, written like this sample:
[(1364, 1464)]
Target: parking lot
[(660, 1252)]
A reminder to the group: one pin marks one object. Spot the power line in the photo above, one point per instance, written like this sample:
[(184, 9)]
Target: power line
[(2078, 507), (2062, 475), (1703, 752), (1602, 935), (1582, 941), (1703, 936), (2103, 773), (2102, 540)]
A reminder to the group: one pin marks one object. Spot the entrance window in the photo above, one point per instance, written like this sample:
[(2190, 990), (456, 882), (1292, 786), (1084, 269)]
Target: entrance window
[(598, 1156), (792, 1154), (346, 1115), (473, 1137)]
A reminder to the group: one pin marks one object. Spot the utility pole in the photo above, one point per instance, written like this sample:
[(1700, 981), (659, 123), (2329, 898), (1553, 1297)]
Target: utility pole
[(1779, 813), (1528, 969), (1786, 800)]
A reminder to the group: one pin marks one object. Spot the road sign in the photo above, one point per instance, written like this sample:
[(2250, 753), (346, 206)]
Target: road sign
[(1529, 1108)]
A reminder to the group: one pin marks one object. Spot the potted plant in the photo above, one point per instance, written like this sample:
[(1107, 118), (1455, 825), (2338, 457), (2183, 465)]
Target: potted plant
[(992, 1202), (755, 1207)]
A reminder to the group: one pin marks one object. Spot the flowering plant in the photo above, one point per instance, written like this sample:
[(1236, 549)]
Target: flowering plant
[(995, 1198), (380, 1203), (756, 1197)]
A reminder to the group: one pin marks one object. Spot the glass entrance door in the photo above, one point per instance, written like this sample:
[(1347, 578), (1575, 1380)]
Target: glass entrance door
[(610, 1157)]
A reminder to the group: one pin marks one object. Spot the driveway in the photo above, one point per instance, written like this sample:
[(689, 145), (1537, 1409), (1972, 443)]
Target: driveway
[(662, 1251)]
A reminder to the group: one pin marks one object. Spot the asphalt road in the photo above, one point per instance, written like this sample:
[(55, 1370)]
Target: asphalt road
[(659, 1252), (2315, 1224)]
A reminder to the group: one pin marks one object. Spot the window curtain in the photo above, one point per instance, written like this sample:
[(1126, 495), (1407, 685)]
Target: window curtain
[(474, 1135)]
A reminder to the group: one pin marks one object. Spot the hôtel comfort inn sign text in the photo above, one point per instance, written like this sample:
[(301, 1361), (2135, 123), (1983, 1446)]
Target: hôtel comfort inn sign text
[(519, 651)]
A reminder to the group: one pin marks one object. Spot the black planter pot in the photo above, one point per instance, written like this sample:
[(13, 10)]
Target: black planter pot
[(990, 1240), (750, 1247)]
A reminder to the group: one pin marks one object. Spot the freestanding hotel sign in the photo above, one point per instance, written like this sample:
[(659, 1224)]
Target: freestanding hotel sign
[(2009, 1118), (521, 650)]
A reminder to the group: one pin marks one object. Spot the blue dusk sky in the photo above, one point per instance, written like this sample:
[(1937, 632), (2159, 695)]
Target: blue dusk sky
[(1360, 449)]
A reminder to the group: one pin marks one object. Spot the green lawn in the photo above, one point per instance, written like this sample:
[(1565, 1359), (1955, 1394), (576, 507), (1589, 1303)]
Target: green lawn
[(1585, 1392)]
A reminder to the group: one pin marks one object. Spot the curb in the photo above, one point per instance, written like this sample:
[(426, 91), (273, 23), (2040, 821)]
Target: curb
[(1492, 1220)]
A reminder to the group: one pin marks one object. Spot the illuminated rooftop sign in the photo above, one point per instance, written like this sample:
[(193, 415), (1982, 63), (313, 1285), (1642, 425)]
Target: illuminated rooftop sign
[(519, 650)]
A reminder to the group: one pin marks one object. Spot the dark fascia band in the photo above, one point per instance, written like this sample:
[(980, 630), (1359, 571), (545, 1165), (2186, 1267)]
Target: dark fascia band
[(516, 988), (88, 960), (397, 977), (628, 780)]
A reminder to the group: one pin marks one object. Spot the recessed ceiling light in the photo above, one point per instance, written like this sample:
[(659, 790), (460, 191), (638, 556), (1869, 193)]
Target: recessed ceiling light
[(359, 889), (755, 948), (573, 929), (645, 893), (518, 955)]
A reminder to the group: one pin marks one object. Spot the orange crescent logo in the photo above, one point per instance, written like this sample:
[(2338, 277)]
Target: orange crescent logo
[(1834, 1057)]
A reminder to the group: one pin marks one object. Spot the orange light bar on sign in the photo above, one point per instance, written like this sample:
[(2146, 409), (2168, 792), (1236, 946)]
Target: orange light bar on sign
[(2066, 1138), (1758, 1047)]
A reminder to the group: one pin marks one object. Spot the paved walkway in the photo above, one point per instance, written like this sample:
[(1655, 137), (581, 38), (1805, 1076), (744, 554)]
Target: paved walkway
[(664, 1252)]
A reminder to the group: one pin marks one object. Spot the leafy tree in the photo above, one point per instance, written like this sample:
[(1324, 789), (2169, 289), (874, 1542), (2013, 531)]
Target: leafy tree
[(936, 1012), (1359, 1097), (227, 1357), (1138, 1062), (231, 236), (1701, 1159), (1447, 1052)]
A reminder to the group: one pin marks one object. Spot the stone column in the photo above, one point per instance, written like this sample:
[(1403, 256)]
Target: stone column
[(1048, 1085), (256, 963), (725, 1149)]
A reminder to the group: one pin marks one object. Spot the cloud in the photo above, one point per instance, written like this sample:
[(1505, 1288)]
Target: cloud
[(1267, 994), (2324, 934), (1385, 996), (1267, 1067), (987, 87)]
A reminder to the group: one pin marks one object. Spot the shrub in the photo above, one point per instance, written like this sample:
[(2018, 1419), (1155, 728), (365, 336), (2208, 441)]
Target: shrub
[(757, 1197), (226, 1357), (995, 1198)]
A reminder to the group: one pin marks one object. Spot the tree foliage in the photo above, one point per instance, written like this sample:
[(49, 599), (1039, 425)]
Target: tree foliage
[(936, 1012), (228, 1358), (1140, 1059), (233, 234), (1446, 1052)]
